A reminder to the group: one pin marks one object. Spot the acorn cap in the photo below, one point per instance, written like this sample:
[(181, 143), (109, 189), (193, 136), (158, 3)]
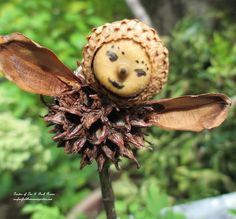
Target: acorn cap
[(126, 61)]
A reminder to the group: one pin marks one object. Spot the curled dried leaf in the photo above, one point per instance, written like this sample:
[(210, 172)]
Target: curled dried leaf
[(189, 113), (34, 68)]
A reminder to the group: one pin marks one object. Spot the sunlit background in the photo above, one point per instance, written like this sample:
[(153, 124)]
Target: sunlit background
[(182, 166)]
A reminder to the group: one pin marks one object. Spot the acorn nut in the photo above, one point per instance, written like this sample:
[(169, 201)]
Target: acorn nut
[(126, 61), (122, 67)]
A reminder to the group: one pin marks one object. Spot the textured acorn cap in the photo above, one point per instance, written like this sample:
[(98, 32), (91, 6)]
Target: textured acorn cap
[(141, 34)]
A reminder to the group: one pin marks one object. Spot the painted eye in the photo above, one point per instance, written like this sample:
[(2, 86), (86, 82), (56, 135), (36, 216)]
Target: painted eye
[(140, 72), (111, 55)]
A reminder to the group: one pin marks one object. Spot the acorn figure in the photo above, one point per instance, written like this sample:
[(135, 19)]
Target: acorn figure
[(102, 109)]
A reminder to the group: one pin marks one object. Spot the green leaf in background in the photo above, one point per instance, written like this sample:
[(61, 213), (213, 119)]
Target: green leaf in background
[(232, 212), (155, 202), (153, 198), (17, 146), (39, 211)]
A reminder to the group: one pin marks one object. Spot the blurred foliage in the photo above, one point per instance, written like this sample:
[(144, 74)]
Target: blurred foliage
[(21, 151), (144, 202), (232, 212), (40, 211), (183, 166)]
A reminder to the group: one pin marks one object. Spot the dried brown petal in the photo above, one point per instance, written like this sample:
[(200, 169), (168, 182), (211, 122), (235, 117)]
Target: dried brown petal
[(193, 113), (34, 68)]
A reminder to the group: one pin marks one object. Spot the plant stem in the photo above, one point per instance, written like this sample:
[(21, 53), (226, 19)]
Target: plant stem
[(107, 192)]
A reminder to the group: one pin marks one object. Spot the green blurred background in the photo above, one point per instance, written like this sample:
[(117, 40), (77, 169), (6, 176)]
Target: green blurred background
[(182, 166)]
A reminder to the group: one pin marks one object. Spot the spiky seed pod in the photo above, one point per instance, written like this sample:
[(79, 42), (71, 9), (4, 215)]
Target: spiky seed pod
[(126, 61), (93, 127)]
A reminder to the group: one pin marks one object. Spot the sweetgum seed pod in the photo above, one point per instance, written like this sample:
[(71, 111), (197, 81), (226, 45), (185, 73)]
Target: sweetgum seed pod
[(126, 61)]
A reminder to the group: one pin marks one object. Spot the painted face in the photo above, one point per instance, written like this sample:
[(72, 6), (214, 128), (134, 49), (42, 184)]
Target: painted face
[(122, 67)]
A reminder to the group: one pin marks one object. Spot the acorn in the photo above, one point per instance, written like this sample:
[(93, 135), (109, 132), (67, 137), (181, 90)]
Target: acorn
[(125, 61)]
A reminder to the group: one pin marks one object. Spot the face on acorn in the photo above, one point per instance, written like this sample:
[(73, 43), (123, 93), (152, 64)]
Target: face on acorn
[(122, 67), (126, 62)]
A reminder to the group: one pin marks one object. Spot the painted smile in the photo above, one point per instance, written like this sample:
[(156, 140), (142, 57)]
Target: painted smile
[(116, 84)]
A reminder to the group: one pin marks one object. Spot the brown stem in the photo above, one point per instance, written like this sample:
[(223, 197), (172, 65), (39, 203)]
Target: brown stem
[(107, 193)]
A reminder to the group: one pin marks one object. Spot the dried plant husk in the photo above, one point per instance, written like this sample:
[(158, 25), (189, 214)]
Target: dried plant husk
[(95, 128)]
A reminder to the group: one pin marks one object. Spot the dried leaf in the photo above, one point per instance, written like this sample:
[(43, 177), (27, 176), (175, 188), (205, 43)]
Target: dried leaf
[(34, 68), (192, 113)]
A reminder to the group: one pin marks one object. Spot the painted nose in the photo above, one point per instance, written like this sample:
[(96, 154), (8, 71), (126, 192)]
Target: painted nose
[(122, 72)]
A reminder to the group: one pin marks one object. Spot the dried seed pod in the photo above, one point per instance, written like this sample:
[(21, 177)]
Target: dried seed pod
[(125, 60)]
